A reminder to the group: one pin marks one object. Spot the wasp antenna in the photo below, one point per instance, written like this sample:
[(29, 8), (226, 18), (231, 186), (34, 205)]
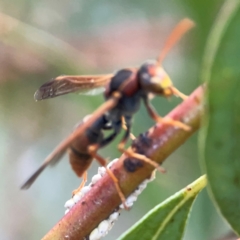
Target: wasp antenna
[(182, 27)]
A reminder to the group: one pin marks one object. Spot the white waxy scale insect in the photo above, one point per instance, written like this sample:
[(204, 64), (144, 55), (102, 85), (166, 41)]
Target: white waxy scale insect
[(103, 227), (106, 225), (114, 216), (94, 235), (76, 198), (85, 189), (101, 171), (69, 203), (95, 178), (112, 162)]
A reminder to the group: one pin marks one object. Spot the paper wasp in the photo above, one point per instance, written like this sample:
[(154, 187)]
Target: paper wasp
[(79, 156), (125, 89)]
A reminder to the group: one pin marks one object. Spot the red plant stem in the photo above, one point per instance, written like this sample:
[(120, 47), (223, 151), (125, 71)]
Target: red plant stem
[(102, 199)]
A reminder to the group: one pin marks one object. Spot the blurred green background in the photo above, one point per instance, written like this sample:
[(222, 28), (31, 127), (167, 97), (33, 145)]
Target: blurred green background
[(40, 40)]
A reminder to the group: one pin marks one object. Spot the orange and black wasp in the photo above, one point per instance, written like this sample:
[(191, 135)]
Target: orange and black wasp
[(125, 89)]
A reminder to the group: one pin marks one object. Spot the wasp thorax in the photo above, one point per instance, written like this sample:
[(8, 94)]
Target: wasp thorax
[(154, 79)]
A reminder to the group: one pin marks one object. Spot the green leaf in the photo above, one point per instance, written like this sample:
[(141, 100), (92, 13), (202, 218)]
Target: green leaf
[(221, 134), (168, 219)]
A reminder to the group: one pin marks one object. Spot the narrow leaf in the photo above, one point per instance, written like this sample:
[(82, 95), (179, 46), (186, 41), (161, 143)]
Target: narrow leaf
[(168, 219)]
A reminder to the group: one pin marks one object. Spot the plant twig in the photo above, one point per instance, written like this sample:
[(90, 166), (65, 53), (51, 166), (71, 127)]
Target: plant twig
[(157, 143)]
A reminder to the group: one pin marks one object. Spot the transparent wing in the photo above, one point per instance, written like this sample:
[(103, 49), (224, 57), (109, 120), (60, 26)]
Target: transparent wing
[(55, 156), (51, 161), (68, 84), (94, 91)]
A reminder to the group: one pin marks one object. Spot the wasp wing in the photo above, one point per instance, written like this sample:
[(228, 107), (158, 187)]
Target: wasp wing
[(68, 84), (61, 149), (51, 161)]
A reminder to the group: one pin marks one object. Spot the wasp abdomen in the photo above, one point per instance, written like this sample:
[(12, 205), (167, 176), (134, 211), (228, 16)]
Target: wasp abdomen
[(80, 162)]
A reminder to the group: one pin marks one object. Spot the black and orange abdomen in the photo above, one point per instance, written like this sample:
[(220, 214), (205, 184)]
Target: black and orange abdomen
[(80, 162)]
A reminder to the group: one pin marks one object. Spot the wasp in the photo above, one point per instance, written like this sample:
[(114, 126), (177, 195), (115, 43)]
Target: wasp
[(131, 86), (80, 156)]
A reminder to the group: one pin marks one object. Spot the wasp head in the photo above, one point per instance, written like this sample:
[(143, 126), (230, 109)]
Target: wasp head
[(154, 79)]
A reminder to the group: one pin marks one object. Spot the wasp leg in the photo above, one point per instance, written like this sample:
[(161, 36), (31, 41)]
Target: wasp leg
[(127, 123), (132, 154), (124, 126), (153, 114), (81, 185), (92, 150)]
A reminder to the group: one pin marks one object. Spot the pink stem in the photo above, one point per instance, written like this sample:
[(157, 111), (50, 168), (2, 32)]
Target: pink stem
[(158, 143)]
